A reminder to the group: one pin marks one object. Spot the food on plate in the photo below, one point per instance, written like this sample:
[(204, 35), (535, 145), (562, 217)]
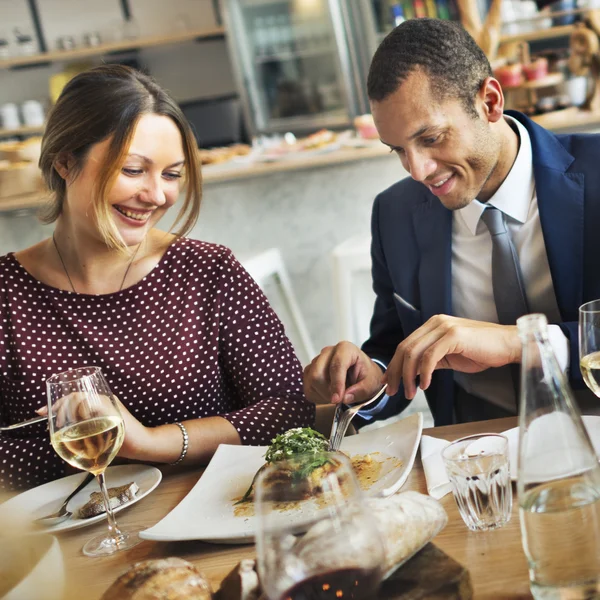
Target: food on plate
[(160, 579), (320, 138), (314, 465), (118, 496), (222, 154), (291, 443)]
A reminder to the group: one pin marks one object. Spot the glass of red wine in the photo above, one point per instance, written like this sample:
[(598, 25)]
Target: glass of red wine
[(341, 552)]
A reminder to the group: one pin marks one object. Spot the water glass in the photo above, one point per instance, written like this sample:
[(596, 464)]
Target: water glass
[(478, 469)]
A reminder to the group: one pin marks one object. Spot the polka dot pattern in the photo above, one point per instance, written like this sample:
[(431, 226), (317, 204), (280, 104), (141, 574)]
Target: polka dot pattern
[(195, 338)]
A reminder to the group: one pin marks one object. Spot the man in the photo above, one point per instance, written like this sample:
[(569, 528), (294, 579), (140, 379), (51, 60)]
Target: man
[(489, 226)]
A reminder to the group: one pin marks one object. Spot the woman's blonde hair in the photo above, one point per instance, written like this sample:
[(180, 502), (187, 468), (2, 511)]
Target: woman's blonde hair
[(107, 102)]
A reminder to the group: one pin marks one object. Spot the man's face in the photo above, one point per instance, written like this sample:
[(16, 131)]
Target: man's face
[(447, 149)]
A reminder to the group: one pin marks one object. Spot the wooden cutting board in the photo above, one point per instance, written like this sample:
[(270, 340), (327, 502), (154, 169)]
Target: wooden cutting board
[(430, 574)]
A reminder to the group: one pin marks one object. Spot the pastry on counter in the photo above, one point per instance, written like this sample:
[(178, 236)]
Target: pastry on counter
[(160, 579), (222, 154)]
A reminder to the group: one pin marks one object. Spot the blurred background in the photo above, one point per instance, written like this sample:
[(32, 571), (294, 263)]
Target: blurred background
[(275, 91)]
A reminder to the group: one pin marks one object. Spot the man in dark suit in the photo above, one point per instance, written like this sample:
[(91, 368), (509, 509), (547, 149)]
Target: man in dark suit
[(442, 320)]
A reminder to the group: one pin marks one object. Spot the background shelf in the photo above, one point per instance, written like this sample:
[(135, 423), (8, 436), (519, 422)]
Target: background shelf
[(77, 53)]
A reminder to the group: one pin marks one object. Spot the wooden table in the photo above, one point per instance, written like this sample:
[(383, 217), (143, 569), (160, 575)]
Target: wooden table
[(495, 559)]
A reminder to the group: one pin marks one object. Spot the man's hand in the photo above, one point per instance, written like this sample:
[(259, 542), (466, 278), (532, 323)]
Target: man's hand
[(446, 342), (342, 373)]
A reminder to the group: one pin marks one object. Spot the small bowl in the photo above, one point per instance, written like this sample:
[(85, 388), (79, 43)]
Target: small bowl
[(510, 75), (31, 566), (536, 70)]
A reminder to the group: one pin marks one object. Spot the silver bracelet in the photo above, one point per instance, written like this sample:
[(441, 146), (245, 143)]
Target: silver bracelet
[(186, 441)]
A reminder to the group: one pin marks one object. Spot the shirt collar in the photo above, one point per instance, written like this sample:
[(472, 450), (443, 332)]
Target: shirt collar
[(514, 195)]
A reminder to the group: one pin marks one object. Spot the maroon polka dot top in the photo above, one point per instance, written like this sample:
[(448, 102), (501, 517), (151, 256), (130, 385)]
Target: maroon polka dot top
[(196, 337)]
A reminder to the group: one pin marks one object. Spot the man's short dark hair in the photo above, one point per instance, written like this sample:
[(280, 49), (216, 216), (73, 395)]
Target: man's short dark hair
[(443, 50)]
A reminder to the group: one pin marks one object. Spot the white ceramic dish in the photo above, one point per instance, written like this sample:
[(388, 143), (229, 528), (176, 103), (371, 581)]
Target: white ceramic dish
[(31, 567), (207, 512), (591, 422), (45, 499)]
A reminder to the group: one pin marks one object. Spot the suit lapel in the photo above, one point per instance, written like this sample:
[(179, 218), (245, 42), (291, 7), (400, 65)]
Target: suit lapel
[(433, 225), (560, 202), (560, 197)]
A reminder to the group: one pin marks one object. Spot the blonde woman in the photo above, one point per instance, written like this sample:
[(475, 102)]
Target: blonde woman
[(184, 336)]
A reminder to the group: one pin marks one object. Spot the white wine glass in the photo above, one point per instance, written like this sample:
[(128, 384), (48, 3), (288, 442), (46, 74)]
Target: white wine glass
[(589, 344), (87, 431), (340, 556)]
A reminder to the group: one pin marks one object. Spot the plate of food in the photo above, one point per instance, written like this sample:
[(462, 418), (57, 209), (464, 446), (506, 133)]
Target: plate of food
[(127, 484), (219, 508)]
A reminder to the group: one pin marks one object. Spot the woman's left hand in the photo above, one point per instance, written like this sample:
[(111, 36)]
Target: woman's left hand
[(137, 436)]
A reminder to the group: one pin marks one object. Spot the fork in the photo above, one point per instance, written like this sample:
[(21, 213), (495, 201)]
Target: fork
[(342, 417), (23, 423)]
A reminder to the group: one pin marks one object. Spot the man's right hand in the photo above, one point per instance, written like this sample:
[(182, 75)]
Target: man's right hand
[(342, 373)]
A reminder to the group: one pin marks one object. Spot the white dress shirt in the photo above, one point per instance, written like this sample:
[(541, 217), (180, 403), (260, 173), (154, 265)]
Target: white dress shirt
[(472, 291)]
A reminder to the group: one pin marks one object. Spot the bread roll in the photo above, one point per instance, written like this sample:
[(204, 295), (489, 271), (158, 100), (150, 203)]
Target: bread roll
[(161, 579)]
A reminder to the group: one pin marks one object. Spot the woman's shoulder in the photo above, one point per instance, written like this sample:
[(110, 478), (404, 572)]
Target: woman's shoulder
[(7, 263), (199, 251)]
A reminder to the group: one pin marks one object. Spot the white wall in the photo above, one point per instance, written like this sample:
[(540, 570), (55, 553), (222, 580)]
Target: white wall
[(189, 70)]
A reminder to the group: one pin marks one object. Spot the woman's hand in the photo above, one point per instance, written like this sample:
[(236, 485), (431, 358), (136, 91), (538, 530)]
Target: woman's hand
[(138, 437), (138, 440)]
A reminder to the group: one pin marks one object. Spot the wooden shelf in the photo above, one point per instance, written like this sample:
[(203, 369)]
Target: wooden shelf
[(78, 53), (536, 84), (4, 133), (539, 34), (569, 119)]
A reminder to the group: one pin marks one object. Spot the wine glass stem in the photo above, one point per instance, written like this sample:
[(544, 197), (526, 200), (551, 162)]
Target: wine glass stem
[(113, 530)]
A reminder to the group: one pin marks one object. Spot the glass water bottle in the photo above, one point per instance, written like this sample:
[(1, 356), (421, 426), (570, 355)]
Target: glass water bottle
[(559, 477)]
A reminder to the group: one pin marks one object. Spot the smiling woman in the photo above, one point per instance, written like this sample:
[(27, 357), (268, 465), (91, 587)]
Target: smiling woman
[(183, 334)]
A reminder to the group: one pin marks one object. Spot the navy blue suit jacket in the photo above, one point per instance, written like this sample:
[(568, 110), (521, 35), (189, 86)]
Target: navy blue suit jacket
[(411, 252)]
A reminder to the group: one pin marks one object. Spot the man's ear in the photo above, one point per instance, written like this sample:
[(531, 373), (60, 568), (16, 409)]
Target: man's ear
[(63, 165), (491, 99)]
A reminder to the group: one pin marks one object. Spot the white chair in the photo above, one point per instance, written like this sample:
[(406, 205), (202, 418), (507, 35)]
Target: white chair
[(352, 292), (354, 300), (269, 272)]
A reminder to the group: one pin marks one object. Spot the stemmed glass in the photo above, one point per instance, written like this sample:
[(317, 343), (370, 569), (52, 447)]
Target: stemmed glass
[(589, 344), (341, 555), (87, 431)]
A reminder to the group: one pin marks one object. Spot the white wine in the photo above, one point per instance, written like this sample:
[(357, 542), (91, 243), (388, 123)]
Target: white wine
[(559, 524), (590, 369), (92, 444)]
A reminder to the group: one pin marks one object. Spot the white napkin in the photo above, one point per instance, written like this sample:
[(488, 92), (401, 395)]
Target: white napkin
[(438, 484)]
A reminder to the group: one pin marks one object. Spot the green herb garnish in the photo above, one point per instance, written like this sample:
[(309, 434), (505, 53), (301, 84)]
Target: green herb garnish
[(300, 440)]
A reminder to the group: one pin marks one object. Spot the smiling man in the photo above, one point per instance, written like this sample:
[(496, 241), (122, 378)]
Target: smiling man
[(496, 220)]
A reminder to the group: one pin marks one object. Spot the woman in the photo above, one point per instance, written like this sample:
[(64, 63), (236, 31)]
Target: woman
[(184, 336)]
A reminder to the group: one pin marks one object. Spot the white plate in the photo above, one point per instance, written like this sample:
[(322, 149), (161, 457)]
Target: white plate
[(207, 512), (47, 498), (591, 422)]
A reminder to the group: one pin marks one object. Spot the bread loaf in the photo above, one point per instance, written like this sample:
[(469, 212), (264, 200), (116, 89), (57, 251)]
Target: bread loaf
[(160, 579)]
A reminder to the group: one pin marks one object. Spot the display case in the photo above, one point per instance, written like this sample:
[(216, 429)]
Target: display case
[(293, 64)]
